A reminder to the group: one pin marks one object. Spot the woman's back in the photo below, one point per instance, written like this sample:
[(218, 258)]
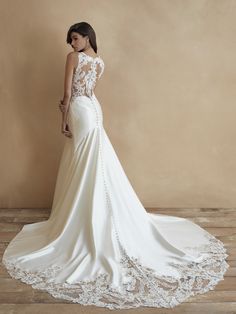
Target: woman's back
[(86, 74)]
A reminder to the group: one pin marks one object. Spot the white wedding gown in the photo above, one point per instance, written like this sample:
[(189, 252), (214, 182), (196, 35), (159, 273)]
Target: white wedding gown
[(100, 246)]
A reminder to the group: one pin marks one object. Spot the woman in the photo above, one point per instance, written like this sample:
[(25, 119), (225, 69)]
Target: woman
[(100, 246)]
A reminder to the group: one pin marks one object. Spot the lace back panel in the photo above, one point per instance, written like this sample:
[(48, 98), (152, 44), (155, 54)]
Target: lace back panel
[(86, 75)]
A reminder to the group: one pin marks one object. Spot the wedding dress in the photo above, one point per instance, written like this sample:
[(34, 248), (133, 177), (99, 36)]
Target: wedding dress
[(100, 246)]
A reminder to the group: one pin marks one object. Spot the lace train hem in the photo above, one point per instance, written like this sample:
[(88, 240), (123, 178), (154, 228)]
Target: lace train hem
[(144, 288)]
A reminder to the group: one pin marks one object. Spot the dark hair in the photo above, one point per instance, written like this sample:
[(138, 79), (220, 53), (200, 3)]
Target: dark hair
[(84, 29)]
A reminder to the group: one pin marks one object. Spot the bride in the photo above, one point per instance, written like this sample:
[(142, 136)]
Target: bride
[(100, 246)]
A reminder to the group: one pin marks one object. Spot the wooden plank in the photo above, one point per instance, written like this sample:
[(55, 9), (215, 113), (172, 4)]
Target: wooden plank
[(29, 296), (22, 220), (214, 296), (221, 231), (194, 212), (184, 308), (213, 222), (11, 212), (11, 226), (231, 271)]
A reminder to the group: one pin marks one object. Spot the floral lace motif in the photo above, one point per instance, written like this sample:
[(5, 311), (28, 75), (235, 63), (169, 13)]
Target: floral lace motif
[(86, 75), (144, 288)]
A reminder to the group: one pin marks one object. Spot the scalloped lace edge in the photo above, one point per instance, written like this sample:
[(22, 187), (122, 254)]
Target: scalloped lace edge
[(144, 287)]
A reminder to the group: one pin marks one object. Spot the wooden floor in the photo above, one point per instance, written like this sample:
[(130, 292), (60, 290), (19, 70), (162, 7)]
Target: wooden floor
[(18, 297)]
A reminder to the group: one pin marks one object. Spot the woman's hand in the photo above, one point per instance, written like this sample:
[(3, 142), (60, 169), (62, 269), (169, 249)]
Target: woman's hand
[(62, 106), (65, 130)]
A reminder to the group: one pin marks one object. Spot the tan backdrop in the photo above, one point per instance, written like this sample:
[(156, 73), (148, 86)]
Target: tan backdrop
[(168, 96)]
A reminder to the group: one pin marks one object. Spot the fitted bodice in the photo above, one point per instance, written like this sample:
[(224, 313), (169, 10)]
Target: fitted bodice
[(86, 75)]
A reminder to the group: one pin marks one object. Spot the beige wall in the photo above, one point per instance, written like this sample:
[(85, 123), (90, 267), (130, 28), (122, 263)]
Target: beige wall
[(168, 96)]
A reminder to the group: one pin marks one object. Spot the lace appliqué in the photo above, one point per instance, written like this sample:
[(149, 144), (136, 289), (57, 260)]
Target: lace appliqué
[(144, 287), (88, 71)]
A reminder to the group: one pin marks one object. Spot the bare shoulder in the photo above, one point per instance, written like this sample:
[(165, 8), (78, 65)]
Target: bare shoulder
[(73, 55), (72, 58)]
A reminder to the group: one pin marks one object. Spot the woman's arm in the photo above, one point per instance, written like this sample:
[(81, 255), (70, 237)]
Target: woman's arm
[(69, 67)]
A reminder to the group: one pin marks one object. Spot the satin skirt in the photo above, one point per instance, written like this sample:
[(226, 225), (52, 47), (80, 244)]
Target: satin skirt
[(100, 246)]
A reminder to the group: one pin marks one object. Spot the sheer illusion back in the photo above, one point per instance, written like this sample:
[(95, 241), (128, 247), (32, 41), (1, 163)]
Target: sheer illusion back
[(86, 75)]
